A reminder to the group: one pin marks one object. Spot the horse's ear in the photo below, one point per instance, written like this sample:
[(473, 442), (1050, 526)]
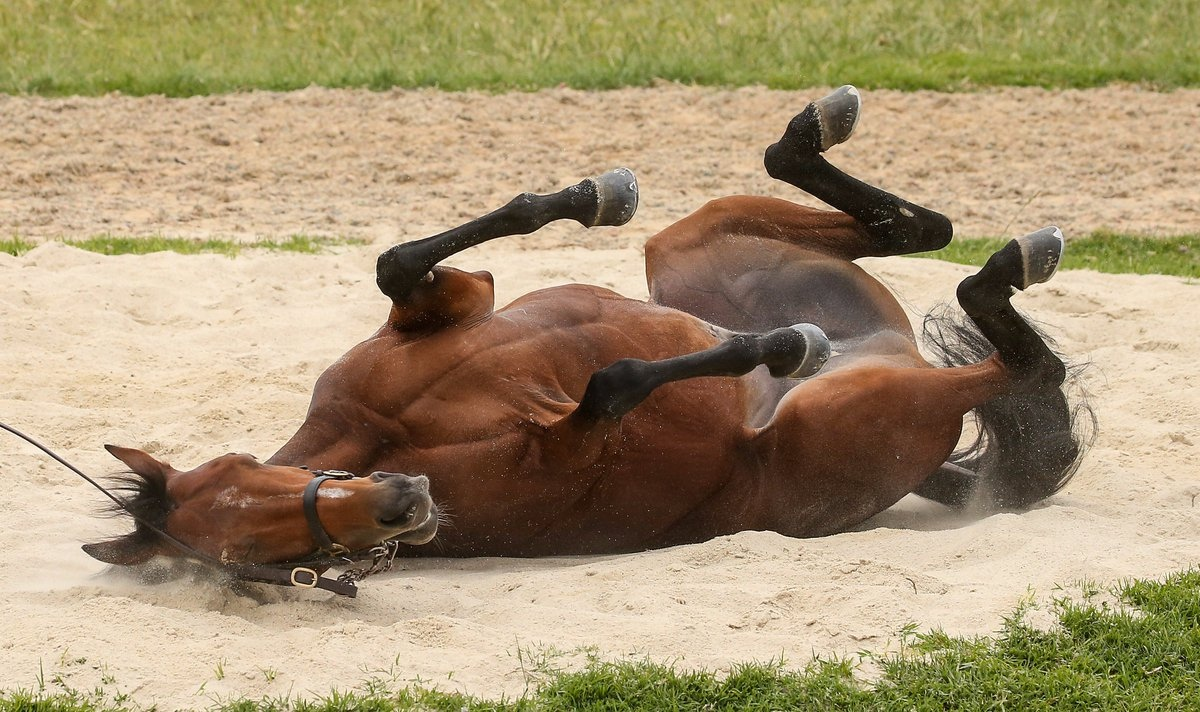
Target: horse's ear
[(129, 550), (142, 544), (140, 462)]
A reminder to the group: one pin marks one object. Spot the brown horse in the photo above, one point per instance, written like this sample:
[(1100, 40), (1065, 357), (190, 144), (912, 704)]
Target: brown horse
[(575, 420)]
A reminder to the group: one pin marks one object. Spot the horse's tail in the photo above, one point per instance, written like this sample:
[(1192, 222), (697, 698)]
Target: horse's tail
[(1026, 445)]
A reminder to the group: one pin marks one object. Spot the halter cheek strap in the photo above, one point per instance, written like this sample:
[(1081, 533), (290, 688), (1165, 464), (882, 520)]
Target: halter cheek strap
[(307, 573), (324, 543)]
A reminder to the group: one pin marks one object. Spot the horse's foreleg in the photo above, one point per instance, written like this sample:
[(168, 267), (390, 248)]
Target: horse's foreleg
[(609, 199), (576, 440), (896, 226), (796, 351)]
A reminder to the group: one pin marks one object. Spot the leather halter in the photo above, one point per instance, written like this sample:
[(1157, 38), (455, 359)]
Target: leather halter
[(324, 543), (305, 573)]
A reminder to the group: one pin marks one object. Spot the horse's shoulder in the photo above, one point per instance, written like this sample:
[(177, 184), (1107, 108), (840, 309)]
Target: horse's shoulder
[(566, 305), (567, 298)]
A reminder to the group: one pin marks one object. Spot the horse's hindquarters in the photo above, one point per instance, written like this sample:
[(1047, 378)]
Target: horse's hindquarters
[(848, 444)]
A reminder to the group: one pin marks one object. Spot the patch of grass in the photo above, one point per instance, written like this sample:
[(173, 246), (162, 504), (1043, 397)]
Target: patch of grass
[(1099, 657), (189, 47), (1142, 651), (16, 245), (126, 245), (1101, 251)]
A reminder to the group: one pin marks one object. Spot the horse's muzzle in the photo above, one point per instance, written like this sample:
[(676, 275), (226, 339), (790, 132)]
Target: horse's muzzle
[(406, 507)]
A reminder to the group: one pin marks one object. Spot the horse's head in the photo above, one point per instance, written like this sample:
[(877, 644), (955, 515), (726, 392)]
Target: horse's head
[(237, 510)]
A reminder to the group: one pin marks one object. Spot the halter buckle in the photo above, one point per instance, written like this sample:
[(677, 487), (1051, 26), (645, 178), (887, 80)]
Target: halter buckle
[(334, 474), (312, 583)]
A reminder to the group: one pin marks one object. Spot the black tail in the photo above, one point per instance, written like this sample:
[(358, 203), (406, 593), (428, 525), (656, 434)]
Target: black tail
[(1027, 444)]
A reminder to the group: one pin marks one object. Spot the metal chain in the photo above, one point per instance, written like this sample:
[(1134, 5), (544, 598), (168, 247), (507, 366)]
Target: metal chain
[(382, 557)]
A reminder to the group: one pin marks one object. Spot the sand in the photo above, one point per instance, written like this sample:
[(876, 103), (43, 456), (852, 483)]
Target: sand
[(191, 357)]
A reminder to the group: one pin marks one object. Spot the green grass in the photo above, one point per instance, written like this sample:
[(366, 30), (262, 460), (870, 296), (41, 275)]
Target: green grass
[(1101, 251), (189, 47), (124, 245), (1139, 650)]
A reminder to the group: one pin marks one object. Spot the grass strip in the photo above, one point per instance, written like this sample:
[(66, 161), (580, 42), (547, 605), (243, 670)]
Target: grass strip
[(190, 47), (1141, 651), (126, 245), (1101, 251)]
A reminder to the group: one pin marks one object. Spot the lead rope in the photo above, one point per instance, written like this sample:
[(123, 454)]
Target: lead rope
[(300, 575), (117, 500)]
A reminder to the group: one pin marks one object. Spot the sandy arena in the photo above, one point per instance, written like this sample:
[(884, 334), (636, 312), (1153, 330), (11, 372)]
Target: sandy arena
[(190, 357)]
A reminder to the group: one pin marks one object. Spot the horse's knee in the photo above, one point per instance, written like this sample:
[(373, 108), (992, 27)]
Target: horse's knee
[(616, 389), (445, 297), (909, 228), (936, 230), (397, 270)]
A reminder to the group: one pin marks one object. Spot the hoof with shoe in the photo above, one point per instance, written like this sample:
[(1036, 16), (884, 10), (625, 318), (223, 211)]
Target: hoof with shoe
[(816, 350), (822, 125), (837, 115), (616, 197), (1041, 253), (825, 122)]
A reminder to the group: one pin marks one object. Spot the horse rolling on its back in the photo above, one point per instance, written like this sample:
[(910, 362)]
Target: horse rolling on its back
[(575, 420)]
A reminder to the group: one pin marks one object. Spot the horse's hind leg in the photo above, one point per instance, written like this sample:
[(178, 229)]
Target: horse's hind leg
[(985, 297), (1029, 442), (609, 199), (752, 264), (895, 226)]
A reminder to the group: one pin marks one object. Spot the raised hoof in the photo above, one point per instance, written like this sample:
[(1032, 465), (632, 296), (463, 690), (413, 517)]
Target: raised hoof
[(837, 115), (1041, 253), (616, 197), (823, 124), (816, 350)]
